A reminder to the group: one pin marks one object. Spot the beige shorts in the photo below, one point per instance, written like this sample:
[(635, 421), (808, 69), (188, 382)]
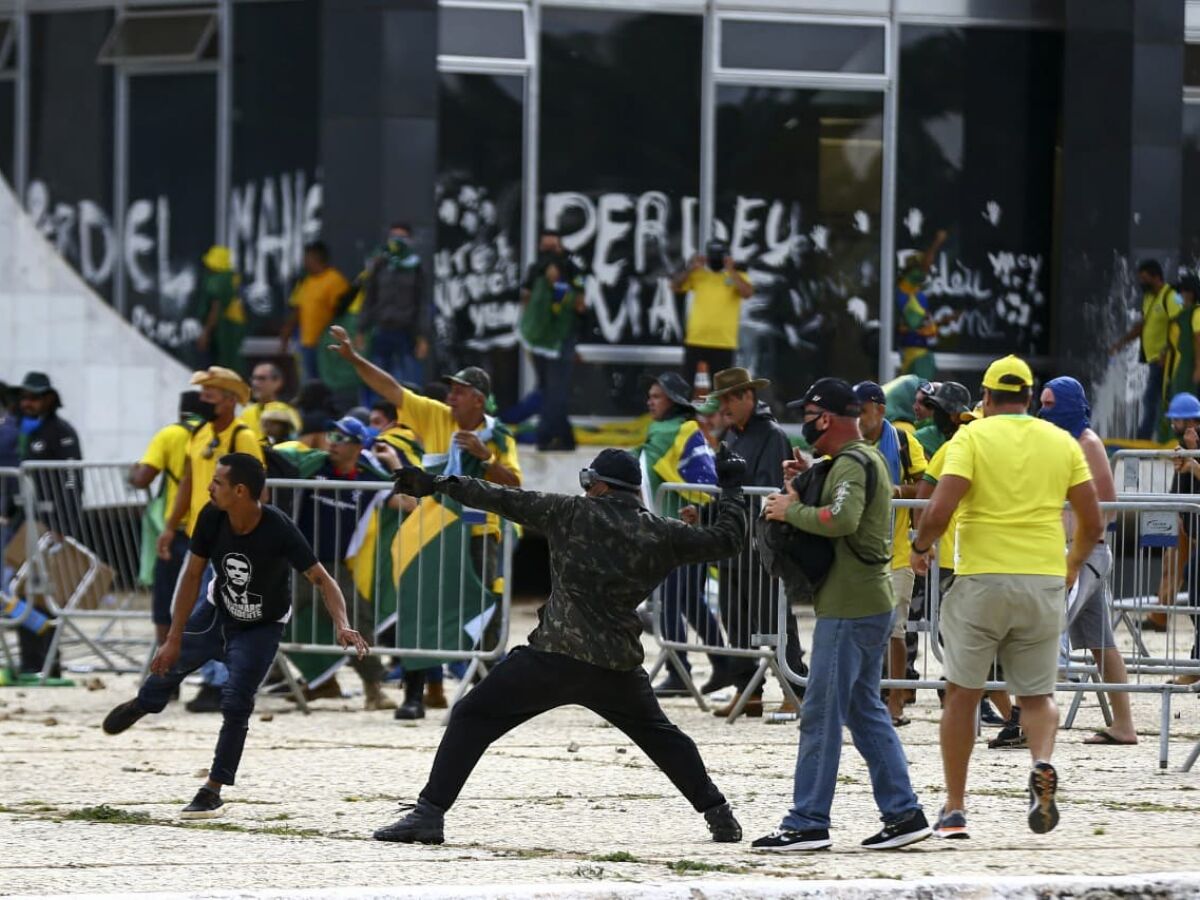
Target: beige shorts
[(1016, 618), (902, 585)]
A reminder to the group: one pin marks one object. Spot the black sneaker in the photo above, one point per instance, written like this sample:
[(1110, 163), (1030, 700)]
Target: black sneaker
[(1043, 786), (721, 822), (1010, 737), (951, 825), (989, 716), (422, 825), (912, 828), (785, 840), (207, 699), (207, 804), (721, 677), (122, 717), (671, 686), (410, 709)]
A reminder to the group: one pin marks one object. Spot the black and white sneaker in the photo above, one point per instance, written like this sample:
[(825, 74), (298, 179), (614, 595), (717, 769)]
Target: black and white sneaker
[(951, 825), (786, 840), (122, 717), (1043, 786), (207, 804), (913, 828)]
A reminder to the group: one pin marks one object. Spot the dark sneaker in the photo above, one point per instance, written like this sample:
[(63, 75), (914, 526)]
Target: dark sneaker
[(951, 826), (785, 840), (122, 717), (1010, 737), (671, 686), (1043, 786), (422, 825), (989, 716), (410, 709), (912, 828), (207, 804), (721, 822), (207, 699), (721, 677)]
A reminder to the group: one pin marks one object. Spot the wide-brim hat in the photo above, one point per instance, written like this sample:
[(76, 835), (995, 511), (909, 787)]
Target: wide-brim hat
[(727, 381), (223, 379), (36, 383), (674, 386)]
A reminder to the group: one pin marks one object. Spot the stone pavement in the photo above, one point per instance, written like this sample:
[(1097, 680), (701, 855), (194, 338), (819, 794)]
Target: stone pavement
[(565, 800)]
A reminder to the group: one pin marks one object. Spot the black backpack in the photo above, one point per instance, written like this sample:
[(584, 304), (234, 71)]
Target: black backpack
[(801, 559)]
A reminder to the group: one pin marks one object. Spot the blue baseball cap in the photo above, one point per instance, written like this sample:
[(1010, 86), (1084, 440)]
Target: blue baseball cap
[(351, 428), (870, 392)]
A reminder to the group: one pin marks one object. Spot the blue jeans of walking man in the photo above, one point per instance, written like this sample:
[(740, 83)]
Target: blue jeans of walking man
[(247, 652), (1151, 401), (843, 689)]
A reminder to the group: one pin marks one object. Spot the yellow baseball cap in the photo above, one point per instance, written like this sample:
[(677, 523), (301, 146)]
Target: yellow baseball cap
[(1008, 374)]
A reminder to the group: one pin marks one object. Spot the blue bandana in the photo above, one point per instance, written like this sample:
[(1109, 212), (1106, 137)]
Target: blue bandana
[(1070, 411)]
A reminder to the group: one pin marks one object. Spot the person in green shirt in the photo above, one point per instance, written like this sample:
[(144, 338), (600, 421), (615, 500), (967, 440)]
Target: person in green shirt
[(854, 608), (222, 309)]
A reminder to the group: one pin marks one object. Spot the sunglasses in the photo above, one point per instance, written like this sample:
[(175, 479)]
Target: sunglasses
[(336, 437), (211, 448)]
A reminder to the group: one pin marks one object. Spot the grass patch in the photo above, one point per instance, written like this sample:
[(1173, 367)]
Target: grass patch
[(108, 814), (1099, 830), (690, 866), (619, 857)]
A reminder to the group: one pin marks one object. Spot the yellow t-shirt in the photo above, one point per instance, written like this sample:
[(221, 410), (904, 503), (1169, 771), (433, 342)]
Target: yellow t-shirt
[(716, 309), (933, 472), (901, 544), (204, 455), (1158, 311), (1010, 519), (252, 415), (167, 452), (435, 426), (316, 297)]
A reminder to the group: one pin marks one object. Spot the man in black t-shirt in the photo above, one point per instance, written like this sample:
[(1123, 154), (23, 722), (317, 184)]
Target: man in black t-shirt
[(253, 548)]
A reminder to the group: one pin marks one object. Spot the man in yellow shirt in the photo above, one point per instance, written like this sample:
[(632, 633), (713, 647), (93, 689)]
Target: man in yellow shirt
[(1007, 476), (266, 384), (717, 290), (221, 390), (459, 438), (1160, 306), (314, 303), (167, 456)]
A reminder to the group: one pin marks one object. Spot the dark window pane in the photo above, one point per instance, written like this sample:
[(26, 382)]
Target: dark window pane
[(7, 126), (620, 164), (477, 262), (275, 202), (1191, 65), (165, 36), (469, 31), (1191, 186), (800, 46), (976, 157), (171, 218), (7, 46), (798, 199), (69, 194)]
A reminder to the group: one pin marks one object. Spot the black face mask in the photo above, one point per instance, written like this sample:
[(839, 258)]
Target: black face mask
[(716, 262), (810, 432), (206, 410)]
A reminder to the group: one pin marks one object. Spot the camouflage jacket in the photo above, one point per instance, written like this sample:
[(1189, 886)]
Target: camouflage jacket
[(606, 555)]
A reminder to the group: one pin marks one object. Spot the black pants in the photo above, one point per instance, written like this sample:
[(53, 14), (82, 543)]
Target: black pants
[(529, 682)]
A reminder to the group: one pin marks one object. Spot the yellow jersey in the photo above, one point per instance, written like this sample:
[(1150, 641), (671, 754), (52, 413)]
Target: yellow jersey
[(207, 447), (316, 298), (167, 452), (716, 309)]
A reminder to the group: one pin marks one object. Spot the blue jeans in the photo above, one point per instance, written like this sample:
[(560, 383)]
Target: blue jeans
[(248, 652), (392, 350), (1151, 401), (308, 362), (843, 689)]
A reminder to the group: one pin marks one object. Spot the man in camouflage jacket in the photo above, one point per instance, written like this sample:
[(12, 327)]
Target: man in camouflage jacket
[(606, 554)]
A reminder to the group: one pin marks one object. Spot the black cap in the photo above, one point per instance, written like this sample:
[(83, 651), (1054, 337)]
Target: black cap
[(834, 395), (951, 398), (676, 388), (869, 392), (613, 465), (472, 377)]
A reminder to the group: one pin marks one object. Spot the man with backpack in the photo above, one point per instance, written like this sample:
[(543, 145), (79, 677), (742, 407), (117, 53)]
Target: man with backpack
[(854, 608)]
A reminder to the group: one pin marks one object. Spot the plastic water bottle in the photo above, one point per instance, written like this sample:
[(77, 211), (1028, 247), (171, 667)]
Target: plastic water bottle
[(37, 621), (778, 718)]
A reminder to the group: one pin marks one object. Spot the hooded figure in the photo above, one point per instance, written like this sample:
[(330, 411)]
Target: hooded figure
[(1070, 411)]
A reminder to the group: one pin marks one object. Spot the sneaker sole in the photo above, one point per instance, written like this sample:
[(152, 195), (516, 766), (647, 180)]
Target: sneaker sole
[(1043, 812), (901, 840), (798, 847), (205, 814), (410, 839), (952, 834)]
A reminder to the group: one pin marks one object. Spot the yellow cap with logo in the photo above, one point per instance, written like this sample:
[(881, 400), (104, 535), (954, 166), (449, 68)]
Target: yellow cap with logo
[(1008, 374)]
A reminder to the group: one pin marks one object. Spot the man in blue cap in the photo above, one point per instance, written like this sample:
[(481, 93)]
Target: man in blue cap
[(1183, 413), (607, 552)]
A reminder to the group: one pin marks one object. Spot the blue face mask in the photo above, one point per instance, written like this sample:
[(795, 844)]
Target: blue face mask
[(1070, 411)]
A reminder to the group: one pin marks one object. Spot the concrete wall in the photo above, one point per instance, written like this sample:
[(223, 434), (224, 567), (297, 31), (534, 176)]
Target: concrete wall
[(117, 387)]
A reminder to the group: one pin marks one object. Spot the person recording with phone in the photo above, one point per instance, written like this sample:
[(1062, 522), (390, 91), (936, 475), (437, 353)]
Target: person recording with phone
[(718, 288)]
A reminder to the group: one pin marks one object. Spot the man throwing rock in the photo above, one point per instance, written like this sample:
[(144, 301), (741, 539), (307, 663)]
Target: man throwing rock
[(606, 554)]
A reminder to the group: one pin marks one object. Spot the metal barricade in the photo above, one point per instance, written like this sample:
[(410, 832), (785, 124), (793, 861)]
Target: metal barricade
[(1140, 531), (82, 544), (729, 606), (425, 582), (1147, 471), (13, 612)]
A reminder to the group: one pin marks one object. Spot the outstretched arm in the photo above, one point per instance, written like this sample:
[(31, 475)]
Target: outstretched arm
[(726, 537), (375, 378), (523, 507)]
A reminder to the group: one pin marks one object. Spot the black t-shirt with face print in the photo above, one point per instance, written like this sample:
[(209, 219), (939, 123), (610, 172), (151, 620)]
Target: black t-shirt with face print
[(251, 572)]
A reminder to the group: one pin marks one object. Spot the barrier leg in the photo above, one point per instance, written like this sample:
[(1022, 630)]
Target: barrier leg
[(1164, 733), (677, 664), (788, 693), (756, 681), (294, 687), (658, 664), (1192, 757), (477, 667), (1076, 702)]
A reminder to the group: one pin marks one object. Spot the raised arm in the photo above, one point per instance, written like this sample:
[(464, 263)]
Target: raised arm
[(375, 378), (522, 507), (726, 537)]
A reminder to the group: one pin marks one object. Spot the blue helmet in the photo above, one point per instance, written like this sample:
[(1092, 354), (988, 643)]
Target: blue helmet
[(1184, 406)]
